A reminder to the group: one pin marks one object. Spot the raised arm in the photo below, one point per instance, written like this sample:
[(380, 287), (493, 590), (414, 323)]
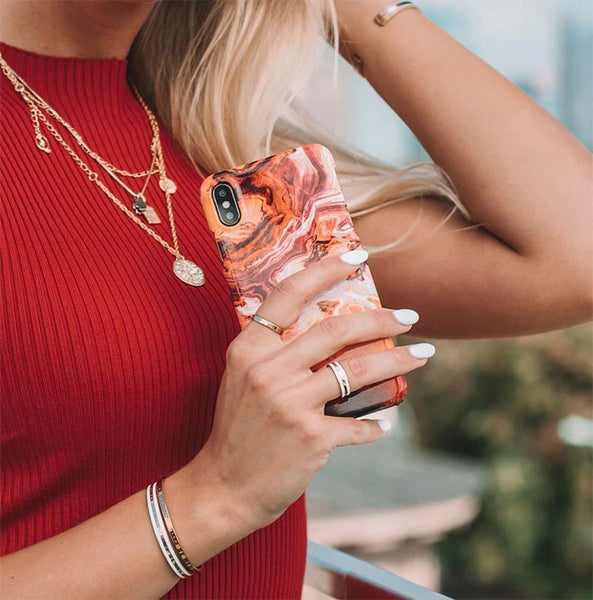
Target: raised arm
[(525, 179)]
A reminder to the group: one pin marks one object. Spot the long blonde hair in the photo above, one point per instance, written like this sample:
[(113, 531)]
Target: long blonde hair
[(224, 76)]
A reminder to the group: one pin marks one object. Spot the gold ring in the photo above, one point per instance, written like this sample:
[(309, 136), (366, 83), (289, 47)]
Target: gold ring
[(275, 328)]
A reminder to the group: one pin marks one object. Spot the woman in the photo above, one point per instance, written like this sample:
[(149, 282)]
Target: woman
[(112, 366)]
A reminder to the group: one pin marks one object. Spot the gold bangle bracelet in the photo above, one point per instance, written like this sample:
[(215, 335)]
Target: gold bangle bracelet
[(382, 18), (393, 8), (185, 561)]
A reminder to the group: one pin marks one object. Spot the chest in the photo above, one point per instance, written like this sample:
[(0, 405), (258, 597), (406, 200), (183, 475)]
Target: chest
[(105, 344)]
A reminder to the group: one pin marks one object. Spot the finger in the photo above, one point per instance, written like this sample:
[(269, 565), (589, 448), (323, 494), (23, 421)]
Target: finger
[(284, 305), (334, 333), (365, 369), (348, 431)]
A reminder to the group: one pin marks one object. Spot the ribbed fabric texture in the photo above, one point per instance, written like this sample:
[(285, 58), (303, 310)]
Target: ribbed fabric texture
[(110, 364)]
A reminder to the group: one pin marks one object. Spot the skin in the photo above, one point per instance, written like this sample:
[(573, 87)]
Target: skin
[(259, 458), (526, 180), (262, 453)]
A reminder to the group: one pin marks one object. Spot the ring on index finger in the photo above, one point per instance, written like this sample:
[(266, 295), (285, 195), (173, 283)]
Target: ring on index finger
[(272, 326)]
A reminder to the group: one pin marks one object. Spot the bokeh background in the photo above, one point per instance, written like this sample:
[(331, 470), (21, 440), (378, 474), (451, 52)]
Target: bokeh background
[(484, 489)]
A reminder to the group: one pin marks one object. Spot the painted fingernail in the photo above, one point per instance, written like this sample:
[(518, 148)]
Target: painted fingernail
[(406, 316), (355, 257), (422, 350), (384, 425)]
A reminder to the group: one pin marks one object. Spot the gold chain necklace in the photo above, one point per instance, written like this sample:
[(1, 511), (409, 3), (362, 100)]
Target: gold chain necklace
[(21, 85), (36, 103), (186, 270)]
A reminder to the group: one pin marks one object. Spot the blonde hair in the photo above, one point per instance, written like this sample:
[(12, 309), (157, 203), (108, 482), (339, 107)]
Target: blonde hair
[(224, 77)]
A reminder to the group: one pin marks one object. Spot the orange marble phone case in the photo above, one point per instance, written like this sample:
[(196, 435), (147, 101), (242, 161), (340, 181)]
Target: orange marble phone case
[(293, 213)]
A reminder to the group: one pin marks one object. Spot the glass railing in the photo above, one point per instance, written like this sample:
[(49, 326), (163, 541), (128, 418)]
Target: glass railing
[(332, 574)]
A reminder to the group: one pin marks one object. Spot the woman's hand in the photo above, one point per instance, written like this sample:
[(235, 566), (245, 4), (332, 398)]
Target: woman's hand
[(270, 435)]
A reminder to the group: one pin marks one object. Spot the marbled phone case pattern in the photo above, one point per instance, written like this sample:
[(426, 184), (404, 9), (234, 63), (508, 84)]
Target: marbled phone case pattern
[(293, 213)]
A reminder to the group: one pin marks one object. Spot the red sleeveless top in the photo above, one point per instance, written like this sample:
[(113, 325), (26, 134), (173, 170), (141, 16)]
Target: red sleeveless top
[(110, 364)]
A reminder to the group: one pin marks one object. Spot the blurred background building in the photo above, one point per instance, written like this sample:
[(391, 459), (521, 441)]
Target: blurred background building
[(543, 46), (485, 488)]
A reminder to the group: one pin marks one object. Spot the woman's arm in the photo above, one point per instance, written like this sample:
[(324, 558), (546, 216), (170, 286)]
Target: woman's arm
[(269, 438), (524, 178), (115, 554)]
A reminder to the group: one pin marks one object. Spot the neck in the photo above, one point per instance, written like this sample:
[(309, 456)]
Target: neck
[(79, 28)]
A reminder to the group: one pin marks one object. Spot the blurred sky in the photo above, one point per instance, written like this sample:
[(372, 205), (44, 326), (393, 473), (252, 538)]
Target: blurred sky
[(544, 46)]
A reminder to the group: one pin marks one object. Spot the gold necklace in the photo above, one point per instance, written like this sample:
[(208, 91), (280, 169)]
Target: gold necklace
[(184, 269), (21, 85), (140, 205), (36, 103)]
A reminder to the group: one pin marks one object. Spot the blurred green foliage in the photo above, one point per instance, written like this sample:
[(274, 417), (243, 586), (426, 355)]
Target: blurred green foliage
[(500, 401)]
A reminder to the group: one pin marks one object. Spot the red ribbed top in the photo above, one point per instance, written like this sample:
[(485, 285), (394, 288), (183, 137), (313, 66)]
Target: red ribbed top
[(110, 364)]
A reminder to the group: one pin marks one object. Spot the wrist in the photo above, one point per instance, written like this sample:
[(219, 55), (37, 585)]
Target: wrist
[(206, 518)]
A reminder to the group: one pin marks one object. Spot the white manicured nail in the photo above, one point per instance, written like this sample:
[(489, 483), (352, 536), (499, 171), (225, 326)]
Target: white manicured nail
[(355, 257), (422, 350), (406, 316), (384, 425)]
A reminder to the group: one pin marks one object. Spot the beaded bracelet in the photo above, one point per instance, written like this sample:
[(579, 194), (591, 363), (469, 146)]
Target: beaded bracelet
[(165, 533)]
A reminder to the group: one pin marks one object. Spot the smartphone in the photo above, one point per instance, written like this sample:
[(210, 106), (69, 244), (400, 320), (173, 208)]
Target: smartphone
[(277, 215)]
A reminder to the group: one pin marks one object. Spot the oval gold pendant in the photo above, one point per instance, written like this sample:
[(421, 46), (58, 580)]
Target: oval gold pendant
[(188, 272)]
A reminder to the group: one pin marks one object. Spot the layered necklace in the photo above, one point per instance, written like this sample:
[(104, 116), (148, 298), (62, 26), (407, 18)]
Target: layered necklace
[(186, 270)]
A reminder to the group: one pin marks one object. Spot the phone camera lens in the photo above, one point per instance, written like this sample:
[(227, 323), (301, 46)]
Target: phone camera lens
[(226, 204)]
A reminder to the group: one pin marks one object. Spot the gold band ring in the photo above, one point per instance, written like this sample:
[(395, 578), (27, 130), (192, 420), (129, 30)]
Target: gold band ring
[(275, 328)]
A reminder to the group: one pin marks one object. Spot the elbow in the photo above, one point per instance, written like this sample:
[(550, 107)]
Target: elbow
[(576, 300), (584, 308), (570, 273), (562, 293), (583, 287)]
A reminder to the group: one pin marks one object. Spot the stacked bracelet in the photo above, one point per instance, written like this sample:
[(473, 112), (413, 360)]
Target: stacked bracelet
[(165, 532)]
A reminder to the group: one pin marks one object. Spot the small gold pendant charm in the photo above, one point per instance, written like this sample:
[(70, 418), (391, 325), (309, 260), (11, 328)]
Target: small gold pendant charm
[(142, 208), (139, 205), (151, 215), (188, 272), (168, 185), (42, 143)]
